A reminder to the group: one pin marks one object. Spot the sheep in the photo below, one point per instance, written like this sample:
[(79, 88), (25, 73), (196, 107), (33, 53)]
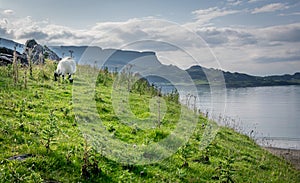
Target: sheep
[(66, 66)]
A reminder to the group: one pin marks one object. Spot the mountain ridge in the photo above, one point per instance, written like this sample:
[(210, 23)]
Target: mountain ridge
[(116, 59), (236, 79)]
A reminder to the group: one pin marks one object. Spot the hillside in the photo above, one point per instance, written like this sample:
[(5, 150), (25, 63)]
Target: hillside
[(40, 140), (199, 75)]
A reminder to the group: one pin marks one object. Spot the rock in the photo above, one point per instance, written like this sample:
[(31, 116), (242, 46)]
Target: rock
[(38, 52), (6, 56), (20, 157), (50, 181), (31, 43), (48, 53), (4, 60)]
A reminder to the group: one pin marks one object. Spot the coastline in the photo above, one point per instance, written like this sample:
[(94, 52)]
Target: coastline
[(291, 155)]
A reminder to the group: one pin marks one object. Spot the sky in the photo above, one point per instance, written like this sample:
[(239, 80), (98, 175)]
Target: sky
[(259, 37)]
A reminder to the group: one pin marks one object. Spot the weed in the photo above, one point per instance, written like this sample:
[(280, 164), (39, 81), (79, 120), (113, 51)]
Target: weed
[(90, 167), (50, 131)]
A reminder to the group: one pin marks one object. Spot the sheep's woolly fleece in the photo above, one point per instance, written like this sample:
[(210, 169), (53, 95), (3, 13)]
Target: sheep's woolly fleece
[(66, 66)]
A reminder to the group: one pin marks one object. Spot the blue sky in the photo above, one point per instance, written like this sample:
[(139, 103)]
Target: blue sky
[(260, 37)]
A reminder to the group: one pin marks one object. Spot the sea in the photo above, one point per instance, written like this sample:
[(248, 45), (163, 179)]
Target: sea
[(270, 114)]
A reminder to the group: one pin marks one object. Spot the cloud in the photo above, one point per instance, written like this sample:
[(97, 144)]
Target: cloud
[(4, 21), (106, 35), (270, 8), (240, 36), (234, 2), (226, 36), (254, 1), (39, 35), (206, 15), (22, 29), (8, 12), (279, 33), (135, 30), (265, 60), (287, 56), (238, 48), (244, 49), (3, 31), (290, 14)]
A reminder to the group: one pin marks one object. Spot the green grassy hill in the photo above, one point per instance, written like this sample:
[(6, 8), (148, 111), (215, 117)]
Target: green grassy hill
[(37, 120)]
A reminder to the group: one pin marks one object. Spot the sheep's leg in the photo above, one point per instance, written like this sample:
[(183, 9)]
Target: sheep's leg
[(63, 76), (55, 76), (70, 79)]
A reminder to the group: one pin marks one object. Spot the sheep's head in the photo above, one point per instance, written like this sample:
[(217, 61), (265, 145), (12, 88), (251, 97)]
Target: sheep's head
[(71, 80)]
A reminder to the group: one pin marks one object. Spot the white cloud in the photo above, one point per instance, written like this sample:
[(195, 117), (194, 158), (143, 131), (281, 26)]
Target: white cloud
[(243, 49), (206, 15), (8, 12), (234, 2), (254, 1), (226, 36), (290, 14), (280, 34), (270, 8), (255, 50), (4, 21)]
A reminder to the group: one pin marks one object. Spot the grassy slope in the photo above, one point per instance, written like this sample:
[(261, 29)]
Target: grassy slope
[(28, 116)]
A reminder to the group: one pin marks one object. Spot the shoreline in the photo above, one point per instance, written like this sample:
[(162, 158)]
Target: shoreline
[(290, 155)]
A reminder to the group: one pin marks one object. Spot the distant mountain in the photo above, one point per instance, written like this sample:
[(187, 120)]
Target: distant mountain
[(63, 51), (114, 59), (10, 44), (198, 74), (147, 64)]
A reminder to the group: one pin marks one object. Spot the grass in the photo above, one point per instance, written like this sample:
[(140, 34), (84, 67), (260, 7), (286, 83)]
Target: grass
[(39, 121)]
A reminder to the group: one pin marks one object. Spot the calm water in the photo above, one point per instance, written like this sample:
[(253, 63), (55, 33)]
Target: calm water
[(272, 112)]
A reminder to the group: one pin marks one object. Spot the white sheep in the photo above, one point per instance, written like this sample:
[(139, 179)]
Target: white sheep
[(66, 66)]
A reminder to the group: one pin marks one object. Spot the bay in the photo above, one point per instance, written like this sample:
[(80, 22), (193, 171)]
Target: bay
[(271, 115)]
